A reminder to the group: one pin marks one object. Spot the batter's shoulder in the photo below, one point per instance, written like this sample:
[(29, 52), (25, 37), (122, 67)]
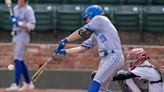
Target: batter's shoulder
[(100, 18), (15, 7), (29, 7)]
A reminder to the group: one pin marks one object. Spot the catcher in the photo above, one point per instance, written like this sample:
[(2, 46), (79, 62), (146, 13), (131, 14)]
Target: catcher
[(162, 68), (140, 69)]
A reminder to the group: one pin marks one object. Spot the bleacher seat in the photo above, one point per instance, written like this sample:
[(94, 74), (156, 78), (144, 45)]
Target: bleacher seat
[(153, 19), (0, 22), (80, 1), (0, 16), (33, 1), (44, 17), (52, 1), (1, 1), (126, 18), (108, 10), (4, 15), (69, 17), (158, 2), (137, 2), (109, 2)]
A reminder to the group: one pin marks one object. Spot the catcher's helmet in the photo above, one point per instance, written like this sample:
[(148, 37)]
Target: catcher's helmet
[(136, 57), (92, 11)]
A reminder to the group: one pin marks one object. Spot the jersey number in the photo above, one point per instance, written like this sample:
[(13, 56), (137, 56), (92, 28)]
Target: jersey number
[(102, 38)]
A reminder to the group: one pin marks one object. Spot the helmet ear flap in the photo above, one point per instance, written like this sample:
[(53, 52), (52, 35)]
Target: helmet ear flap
[(91, 16)]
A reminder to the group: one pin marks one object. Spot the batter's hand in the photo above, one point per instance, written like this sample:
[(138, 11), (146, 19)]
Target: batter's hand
[(15, 20), (60, 51), (12, 19), (62, 43)]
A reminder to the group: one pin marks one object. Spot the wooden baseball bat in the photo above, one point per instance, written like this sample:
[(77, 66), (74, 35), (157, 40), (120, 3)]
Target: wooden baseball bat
[(40, 71), (8, 3)]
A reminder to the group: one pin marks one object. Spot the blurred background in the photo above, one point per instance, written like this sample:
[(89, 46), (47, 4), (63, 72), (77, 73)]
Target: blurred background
[(140, 23)]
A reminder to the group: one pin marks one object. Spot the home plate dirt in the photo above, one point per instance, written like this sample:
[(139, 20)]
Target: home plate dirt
[(46, 90), (50, 90)]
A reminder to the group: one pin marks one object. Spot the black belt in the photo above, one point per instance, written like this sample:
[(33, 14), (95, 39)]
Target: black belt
[(104, 53), (15, 32)]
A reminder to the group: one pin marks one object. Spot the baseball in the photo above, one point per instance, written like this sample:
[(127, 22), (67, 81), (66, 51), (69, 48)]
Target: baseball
[(11, 67)]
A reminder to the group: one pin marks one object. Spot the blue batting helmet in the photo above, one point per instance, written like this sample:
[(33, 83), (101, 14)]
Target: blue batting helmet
[(92, 11)]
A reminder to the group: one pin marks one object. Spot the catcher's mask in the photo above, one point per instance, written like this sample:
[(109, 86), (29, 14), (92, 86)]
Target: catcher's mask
[(135, 57)]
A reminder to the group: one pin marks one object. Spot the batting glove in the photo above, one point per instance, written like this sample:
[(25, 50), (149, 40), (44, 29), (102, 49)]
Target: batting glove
[(15, 20), (19, 23), (60, 52), (12, 19), (62, 43)]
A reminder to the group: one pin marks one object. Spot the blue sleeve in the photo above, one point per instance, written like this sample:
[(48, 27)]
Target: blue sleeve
[(88, 28)]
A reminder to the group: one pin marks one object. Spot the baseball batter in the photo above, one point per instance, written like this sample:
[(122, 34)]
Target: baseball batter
[(103, 35), (23, 22), (141, 68)]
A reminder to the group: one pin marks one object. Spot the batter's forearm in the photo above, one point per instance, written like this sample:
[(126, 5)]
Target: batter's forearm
[(27, 26), (75, 50), (74, 36), (80, 33)]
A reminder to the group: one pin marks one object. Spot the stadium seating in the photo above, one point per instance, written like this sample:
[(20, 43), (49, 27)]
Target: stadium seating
[(0, 16), (137, 2), (104, 2), (153, 19), (69, 17), (1, 1), (109, 2), (126, 18), (0, 22), (108, 10), (51, 1), (158, 2), (80, 1), (4, 15), (33, 1), (44, 17)]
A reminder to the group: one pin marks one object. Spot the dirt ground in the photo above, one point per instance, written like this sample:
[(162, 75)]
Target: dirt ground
[(50, 90)]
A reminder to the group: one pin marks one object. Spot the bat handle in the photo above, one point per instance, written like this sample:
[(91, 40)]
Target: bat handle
[(11, 13)]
